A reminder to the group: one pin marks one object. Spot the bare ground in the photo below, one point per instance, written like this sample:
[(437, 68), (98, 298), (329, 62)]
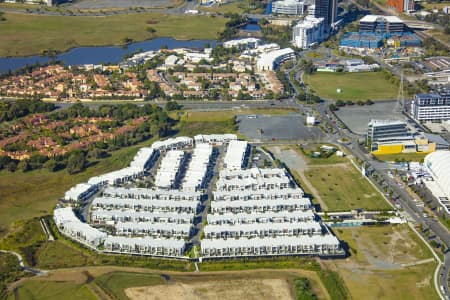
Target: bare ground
[(249, 289)]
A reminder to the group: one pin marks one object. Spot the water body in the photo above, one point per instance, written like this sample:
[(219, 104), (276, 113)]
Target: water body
[(251, 27), (101, 54)]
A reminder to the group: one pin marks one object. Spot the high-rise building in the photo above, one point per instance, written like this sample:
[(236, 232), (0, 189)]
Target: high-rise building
[(326, 9), (307, 32)]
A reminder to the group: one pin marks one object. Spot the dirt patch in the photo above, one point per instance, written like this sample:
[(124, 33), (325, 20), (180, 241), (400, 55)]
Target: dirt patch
[(226, 289)]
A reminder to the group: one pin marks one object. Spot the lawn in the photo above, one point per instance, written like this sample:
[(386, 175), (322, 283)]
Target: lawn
[(115, 283), (49, 290), (355, 86), (374, 269), (343, 188), (23, 34), (419, 157)]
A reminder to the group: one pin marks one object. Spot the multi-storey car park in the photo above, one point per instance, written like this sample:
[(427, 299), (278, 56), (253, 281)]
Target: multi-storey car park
[(251, 211)]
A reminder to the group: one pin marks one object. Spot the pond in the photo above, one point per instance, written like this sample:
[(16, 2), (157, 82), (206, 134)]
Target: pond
[(101, 54)]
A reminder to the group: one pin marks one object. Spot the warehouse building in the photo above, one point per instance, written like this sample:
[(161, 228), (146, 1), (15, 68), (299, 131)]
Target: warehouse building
[(438, 165)]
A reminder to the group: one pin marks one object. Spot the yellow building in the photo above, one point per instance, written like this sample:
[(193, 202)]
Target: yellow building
[(421, 145)]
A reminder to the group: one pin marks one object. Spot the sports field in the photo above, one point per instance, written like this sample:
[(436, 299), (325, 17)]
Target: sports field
[(387, 262), (354, 86), (23, 34)]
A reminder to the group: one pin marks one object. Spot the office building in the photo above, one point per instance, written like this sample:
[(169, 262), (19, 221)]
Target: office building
[(431, 107), (308, 32), (402, 6), (386, 131), (326, 9), (381, 24), (288, 7)]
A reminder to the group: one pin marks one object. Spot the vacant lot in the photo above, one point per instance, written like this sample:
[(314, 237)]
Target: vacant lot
[(376, 268), (24, 34), (229, 289), (343, 188), (147, 284), (209, 122), (355, 86)]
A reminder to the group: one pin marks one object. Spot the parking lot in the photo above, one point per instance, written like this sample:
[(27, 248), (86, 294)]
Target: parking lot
[(357, 117), (288, 127)]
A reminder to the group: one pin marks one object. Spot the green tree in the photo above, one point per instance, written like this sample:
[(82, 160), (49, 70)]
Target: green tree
[(76, 162), (51, 165), (24, 165)]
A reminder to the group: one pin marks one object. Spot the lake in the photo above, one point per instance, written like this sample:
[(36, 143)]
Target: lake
[(101, 54)]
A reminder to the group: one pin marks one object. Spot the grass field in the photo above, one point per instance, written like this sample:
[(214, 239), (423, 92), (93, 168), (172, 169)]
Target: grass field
[(52, 290), (355, 86), (115, 283), (343, 188), (375, 271), (118, 283), (419, 157), (24, 34), (31, 194)]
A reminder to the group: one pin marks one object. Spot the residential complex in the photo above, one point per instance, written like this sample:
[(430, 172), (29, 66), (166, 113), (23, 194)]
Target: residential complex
[(308, 32), (178, 73), (272, 60), (253, 212), (431, 107)]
